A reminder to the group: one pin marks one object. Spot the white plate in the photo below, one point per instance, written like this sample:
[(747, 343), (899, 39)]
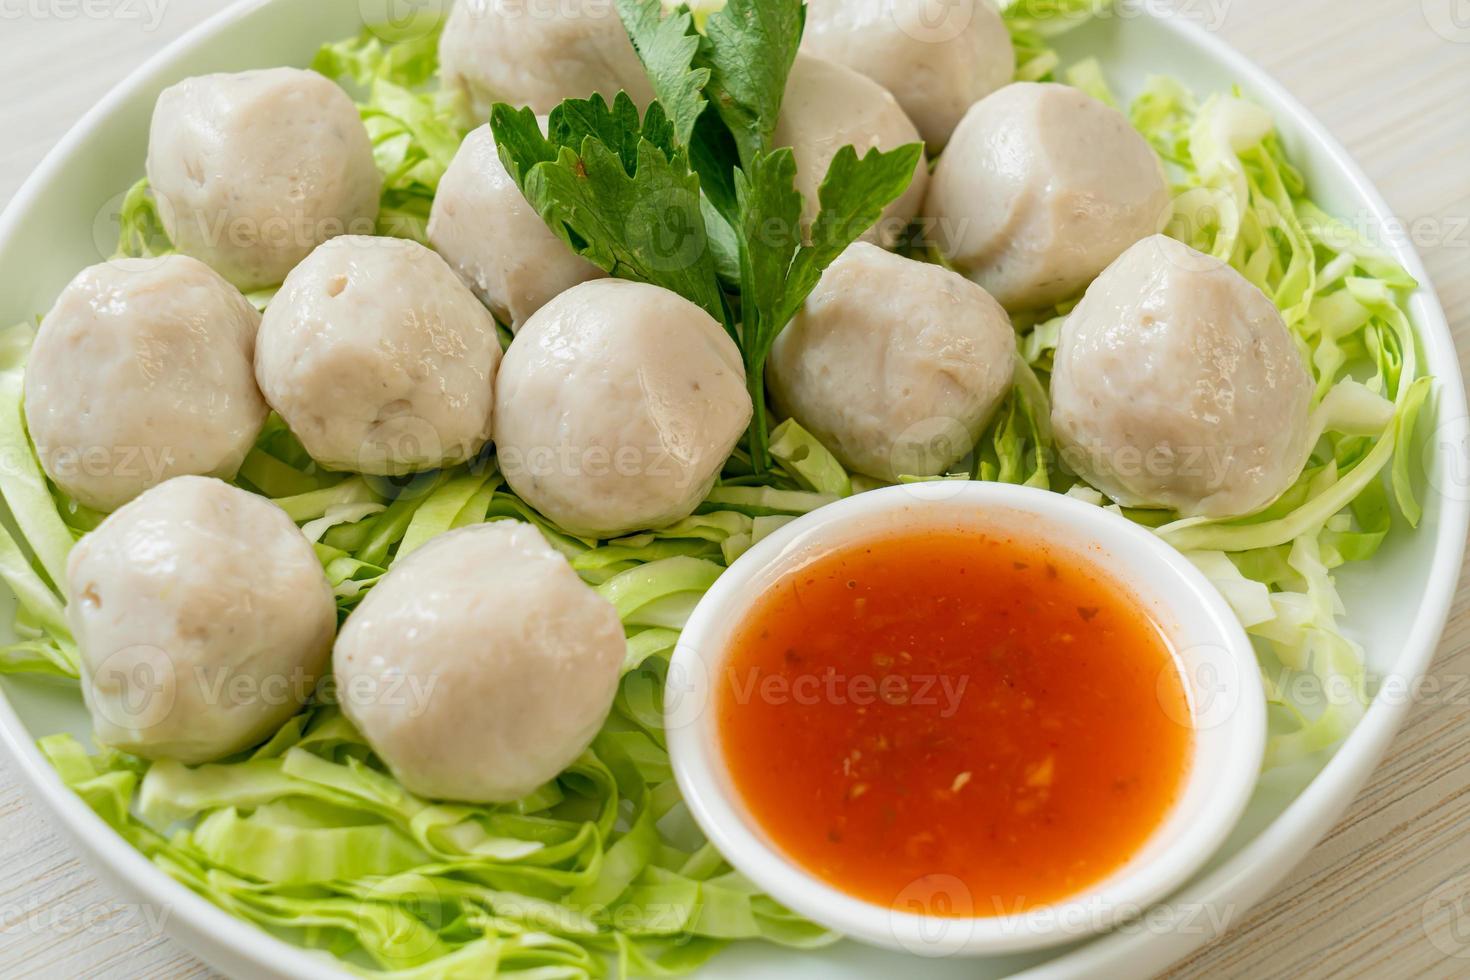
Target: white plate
[(60, 222)]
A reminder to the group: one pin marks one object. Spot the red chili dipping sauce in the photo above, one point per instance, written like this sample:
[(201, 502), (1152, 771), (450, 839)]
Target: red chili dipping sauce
[(951, 706)]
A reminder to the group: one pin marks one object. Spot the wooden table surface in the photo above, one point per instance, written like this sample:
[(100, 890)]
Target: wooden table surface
[(1390, 77)]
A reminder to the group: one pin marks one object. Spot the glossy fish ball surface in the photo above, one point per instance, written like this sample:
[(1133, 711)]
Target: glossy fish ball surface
[(495, 240), (253, 170), (143, 371), (1177, 384), (203, 619), (537, 54), (896, 366), (937, 60), (481, 666), (827, 107), (617, 406), (379, 358), (1042, 187)]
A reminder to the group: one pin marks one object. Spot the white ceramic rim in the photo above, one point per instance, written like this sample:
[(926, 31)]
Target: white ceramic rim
[(204, 927), (1226, 754), (1240, 882)]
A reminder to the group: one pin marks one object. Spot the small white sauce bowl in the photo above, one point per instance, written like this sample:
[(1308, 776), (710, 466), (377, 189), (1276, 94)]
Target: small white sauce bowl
[(1215, 659)]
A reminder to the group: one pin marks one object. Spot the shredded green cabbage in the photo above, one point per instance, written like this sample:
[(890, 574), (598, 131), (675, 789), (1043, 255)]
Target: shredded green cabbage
[(309, 838), (601, 871), (807, 461), (415, 130), (1032, 23)]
